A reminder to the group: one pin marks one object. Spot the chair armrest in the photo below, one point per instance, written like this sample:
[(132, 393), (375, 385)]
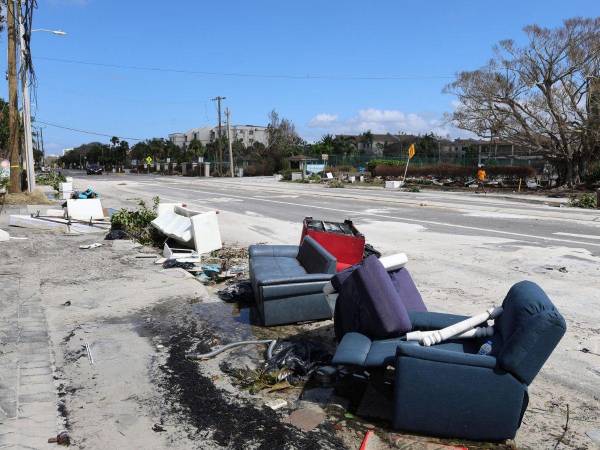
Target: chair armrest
[(307, 278), (425, 321), (289, 251), (353, 349), (433, 354)]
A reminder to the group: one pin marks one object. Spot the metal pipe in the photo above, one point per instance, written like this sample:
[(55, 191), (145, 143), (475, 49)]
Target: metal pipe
[(215, 352)]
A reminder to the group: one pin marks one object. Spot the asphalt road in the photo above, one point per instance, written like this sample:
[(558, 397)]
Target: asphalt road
[(451, 213)]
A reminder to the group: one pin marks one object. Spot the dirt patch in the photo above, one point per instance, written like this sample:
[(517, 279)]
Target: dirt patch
[(214, 415)]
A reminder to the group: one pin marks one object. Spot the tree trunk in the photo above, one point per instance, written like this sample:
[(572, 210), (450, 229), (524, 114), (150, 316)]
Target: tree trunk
[(13, 101), (569, 179)]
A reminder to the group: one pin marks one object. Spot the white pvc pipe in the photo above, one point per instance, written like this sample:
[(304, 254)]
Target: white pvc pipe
[(472, 333), (394, 262), (437, 336)]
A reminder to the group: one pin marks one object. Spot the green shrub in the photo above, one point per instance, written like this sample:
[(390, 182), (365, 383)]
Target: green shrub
[(584, 201), (286, 174), (136, 223), (51, 179), (394, 168), (335, 184), (593, 176), (414, 189)]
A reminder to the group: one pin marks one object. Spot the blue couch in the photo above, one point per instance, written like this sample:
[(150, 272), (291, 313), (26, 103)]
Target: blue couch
[(449, 390), (288, 280)]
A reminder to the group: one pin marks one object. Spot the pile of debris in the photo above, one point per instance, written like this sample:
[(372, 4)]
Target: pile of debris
[(194, 244), (77, 216)]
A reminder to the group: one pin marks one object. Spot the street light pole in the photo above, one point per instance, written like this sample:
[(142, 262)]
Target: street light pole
[(29, 161)]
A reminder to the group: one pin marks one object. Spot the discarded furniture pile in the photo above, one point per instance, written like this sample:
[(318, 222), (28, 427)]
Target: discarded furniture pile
[(453, 376)]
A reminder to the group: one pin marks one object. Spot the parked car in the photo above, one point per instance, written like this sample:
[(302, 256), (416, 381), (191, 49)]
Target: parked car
[(94, 169)]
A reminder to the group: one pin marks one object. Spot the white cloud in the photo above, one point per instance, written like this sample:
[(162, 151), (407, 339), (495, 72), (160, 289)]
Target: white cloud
[(384, 121), (322, 120)]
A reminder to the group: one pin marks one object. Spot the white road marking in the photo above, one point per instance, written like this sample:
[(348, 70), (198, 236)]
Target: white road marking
[(427, 222), (585, 236)]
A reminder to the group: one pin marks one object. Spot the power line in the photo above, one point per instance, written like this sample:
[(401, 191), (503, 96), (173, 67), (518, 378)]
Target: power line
[(55, 125), (250, 75)]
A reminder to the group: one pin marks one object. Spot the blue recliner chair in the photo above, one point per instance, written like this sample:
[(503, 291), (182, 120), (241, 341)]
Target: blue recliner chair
[(449, 390), (288, 280)]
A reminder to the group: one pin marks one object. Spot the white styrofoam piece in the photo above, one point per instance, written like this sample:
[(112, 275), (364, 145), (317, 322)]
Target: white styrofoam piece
[(69, 179), (65, 187), (186, 212), (54, 213), (4, 236), (393, 262), (65, 195), (85, 209), (166, 207), (174, 226), (176, 253), (393, 184), (207, 236), (329, 175)]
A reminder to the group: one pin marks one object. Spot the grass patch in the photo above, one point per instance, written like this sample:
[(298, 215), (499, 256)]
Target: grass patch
[(36, 197)]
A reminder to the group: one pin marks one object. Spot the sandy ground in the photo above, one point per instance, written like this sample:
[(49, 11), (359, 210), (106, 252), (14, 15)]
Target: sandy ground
[(139, 320)]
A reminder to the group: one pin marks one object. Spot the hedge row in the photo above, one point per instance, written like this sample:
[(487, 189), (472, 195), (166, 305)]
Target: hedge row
[(450, 171)]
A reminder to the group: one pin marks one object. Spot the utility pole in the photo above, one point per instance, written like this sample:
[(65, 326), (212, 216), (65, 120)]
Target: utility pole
[(26, 104), (228, 114), (13, 101), (218, 99)]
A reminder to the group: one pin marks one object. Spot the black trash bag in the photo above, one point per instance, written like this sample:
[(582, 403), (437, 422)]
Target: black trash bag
[(115, 235), (238, 292), (370, 250), (171, 263), (298, 357)]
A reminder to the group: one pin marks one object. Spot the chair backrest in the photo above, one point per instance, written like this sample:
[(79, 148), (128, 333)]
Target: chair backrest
[(314, 258), (530, 327)]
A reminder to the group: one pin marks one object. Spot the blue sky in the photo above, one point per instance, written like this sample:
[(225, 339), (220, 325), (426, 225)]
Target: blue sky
[(424, 41)]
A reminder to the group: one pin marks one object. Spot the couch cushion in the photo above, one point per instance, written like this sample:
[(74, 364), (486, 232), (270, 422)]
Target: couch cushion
[(368, 303), (267, 267), (314, 258), (405, 286)]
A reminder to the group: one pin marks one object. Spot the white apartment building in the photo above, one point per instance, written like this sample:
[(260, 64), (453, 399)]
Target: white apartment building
[(248, 134)]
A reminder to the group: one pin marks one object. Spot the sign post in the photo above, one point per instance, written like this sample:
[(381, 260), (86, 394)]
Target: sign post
[(149, 162), (411, 153)]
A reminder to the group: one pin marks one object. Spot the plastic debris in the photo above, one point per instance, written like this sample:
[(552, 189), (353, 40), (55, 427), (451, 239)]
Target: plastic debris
[(240, 292), (116, 234), (171, 263), (276, 404), (90, 246), (299, 359)]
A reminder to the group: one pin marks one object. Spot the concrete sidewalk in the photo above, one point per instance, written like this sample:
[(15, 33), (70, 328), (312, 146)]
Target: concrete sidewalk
[(28, 396)]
